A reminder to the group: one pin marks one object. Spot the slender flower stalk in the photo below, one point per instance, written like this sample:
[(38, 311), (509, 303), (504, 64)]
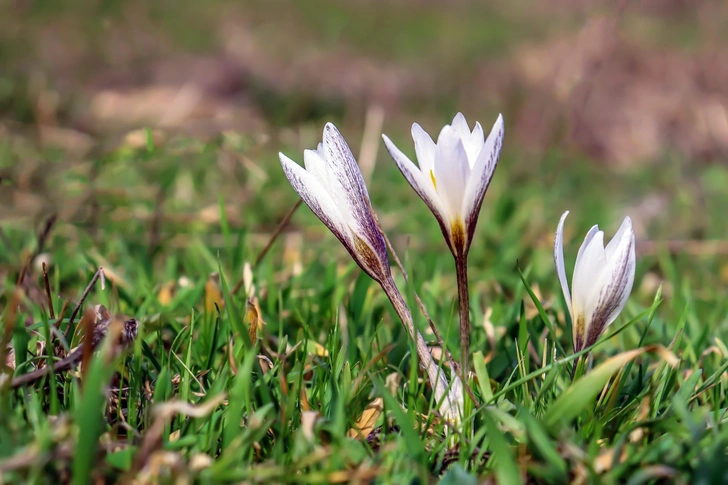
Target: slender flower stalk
[(452, 178), (332, 186), (461, 273), (601, 283), (450, 399)]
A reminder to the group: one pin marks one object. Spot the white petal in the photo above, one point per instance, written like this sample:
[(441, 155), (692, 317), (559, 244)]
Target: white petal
[(580, 299), (613, 286), (588, 269), (425, 150), (315, 195), (460, 126), (419, 181), (587, 239), (345, 180), (611, 247), (481, 175), (451, 172), (348, 189), (559, 261), (474, 144), (316, 165)]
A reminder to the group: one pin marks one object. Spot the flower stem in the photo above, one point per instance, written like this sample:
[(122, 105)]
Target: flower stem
[(448, 402), (461, 268), (454, 366)]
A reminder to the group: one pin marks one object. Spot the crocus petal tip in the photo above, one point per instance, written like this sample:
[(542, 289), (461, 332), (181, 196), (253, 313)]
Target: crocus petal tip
[(417, 131), (391, 147), (284, 158)]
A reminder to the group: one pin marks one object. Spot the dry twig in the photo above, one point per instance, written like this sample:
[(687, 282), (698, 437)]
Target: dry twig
[(47, 285), (74, 314), (97, 330), (269, 244)]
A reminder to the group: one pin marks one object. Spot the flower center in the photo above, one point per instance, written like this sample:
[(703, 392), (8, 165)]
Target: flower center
[(458, 236), (579, 331)]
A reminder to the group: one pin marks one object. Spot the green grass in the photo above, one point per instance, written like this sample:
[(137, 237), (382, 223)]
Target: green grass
[(191, 398)]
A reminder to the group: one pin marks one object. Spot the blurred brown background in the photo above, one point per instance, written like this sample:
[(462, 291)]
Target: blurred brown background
[(624, 82)]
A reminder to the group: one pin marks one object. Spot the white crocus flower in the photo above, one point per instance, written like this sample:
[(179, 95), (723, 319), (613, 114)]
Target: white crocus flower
[(452, 178), (332, 186), (453, 175), (602, 280)]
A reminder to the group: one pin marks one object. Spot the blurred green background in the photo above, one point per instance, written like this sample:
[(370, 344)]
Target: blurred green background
[(611, 108)]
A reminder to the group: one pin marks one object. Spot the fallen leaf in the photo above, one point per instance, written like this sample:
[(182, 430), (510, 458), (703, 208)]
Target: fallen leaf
[(166, 293), (212, 293), (308, 423), (365, 424), (305, 406), (606, 460), (248, 284), (255, 322), (10, 357), (200, 461)]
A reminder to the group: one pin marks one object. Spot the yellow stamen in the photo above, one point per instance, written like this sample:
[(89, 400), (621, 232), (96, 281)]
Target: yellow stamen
[(580, 330), (457, 229), (434, 180)]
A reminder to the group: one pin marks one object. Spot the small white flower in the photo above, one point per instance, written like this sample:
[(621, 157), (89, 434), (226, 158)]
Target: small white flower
[(602, 280), (453, 175), (333, 187)]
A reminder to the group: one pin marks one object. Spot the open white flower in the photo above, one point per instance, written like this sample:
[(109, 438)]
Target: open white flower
[(333, 187), (453, 175), (452, 178), (602, 280)]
